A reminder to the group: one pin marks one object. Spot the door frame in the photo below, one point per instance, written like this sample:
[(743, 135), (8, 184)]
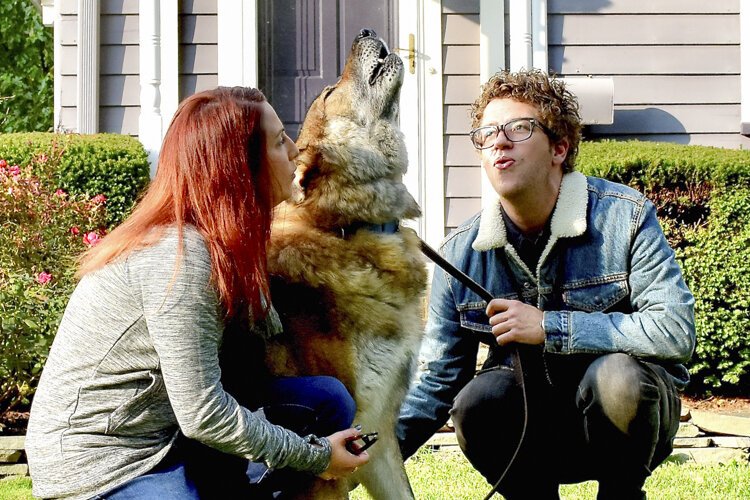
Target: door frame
[(421, 107)]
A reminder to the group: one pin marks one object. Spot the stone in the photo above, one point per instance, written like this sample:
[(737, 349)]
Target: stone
[(709, 456), (731, 441), (443, 439), (732, 424), (687, 430), (9, 456), (14, 470), (12, 442), (684, 413), (692, 442)]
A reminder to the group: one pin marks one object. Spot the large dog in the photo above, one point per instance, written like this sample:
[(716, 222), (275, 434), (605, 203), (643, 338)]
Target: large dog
[(348, 278)]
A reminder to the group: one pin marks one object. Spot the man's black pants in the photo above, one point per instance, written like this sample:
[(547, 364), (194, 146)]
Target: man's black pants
[(610, 418)]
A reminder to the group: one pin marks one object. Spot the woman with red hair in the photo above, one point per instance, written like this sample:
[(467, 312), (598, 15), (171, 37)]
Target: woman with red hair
[(136, 400)]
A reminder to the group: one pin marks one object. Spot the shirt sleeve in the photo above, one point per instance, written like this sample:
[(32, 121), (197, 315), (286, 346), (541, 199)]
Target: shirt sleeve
[(181, 309), (447, 361)]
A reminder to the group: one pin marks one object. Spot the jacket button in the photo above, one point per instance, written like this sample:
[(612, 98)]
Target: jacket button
[(527, 285)]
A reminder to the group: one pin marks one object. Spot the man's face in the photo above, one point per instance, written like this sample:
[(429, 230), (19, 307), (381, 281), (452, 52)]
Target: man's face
[(524, 168)]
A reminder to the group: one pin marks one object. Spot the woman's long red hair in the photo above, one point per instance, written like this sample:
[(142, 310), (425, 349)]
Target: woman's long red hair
[(211, 174)]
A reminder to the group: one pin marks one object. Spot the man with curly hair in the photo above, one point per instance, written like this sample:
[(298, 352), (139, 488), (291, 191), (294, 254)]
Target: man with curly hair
[(591, 321)]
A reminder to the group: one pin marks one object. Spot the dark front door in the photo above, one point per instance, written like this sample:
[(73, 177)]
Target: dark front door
[(303, 45)]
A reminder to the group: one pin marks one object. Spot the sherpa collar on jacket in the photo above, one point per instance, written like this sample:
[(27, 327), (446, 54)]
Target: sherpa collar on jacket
[(568, 219)]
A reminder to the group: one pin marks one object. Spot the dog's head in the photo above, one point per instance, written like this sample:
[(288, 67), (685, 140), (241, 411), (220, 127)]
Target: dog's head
[(352, 155)]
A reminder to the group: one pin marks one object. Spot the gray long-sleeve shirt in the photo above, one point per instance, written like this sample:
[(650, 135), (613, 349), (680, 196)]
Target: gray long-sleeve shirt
[(134, 362)]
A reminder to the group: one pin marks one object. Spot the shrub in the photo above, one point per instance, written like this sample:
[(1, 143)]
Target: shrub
[(42, 230), (26, 77), (115, 166), (58, 195), (702, 195)]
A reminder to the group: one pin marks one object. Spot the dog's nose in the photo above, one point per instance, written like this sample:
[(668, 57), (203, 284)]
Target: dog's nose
[(365, 33)]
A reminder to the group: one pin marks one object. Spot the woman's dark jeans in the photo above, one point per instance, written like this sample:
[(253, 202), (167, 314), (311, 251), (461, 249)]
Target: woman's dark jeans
[(610, 418), (306, 405)]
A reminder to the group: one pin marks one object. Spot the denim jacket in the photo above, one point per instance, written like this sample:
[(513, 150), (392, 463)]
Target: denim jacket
[(607, 281)]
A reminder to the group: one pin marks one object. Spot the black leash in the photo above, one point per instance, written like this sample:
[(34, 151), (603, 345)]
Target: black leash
[(518, 370)]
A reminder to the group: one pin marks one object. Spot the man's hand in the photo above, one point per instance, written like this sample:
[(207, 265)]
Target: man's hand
[(514, 321)]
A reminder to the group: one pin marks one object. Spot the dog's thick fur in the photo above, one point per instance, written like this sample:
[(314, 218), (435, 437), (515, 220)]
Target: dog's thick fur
[(350, 298)]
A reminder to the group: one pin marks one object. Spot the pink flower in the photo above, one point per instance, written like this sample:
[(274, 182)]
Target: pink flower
[(91, 238), (15, 170), (3, 163), (60, 193), (75, 231), (43, 278), (99, 198)]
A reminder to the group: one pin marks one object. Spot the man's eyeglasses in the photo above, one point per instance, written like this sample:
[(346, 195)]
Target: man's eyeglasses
[(517, 130)]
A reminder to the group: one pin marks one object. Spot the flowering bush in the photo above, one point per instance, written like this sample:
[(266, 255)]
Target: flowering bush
[(42, 231)]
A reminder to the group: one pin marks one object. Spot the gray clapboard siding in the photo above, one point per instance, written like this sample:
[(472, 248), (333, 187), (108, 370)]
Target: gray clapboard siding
[(119, 90), (456, 119), (198, 30), (459, 151), (673, 119), (119, 7), (197, 7), (461, 59), (677, 89), (119, 30), (190, 84), (461, 6), (119, 119), (460, 29), (460, 89), (119, 60), (463, 182), (635, 60), (643, 6), (459, 210), (199, 59), (674, 29)]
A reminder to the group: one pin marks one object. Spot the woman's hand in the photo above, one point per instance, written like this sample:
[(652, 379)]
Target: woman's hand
[(343, 462), (514, 321)]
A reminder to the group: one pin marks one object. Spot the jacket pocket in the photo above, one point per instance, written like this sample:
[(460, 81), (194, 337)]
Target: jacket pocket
[(597, 296), (475, 321)]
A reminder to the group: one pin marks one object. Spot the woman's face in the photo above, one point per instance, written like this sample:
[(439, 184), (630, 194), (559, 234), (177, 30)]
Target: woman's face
[(279, 155)]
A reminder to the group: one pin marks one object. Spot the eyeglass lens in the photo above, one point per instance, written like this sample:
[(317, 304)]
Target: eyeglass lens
[(515, 130)]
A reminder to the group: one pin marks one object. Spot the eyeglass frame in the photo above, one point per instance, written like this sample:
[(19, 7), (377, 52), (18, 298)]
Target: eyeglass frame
[(501, 128)]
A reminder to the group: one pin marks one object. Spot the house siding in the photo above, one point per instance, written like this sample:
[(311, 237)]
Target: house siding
[(461, 85), (119, 85), (675, 65), (119, 64), (199, 42)]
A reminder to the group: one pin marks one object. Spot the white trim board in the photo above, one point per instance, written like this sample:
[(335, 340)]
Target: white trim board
[(238, 42)]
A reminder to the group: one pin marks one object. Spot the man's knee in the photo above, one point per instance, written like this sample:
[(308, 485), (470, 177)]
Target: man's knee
[(618, 385)]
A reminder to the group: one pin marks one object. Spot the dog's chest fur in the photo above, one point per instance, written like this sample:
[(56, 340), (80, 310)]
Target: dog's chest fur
[(350, 307)]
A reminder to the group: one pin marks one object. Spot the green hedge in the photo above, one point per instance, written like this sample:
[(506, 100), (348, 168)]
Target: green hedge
[(115, 166), (51, 210), (702, 195)]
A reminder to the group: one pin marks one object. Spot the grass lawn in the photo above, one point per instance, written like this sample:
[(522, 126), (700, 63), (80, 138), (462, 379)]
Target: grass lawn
[(447, 476)]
